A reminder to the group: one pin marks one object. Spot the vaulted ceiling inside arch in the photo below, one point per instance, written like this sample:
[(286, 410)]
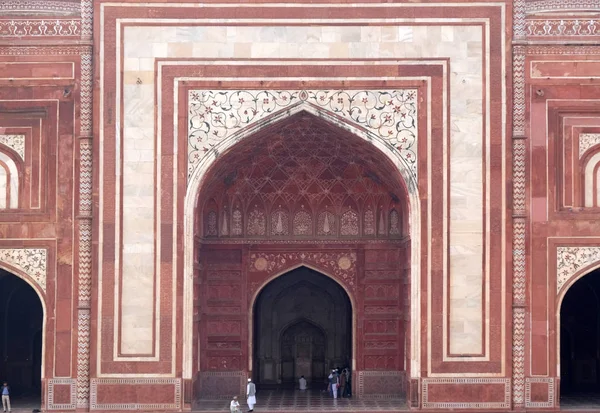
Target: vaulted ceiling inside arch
[(305, 157), (304, 164)]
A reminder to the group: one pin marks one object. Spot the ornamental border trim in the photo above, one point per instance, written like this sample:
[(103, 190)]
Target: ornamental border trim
[(215, 115)]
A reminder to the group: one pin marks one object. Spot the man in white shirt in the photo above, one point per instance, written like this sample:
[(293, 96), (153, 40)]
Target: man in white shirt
[(234, 406), (251, 394), (302, 383)]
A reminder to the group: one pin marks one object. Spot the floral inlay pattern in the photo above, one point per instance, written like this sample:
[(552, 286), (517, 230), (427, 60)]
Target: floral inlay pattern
[(570, 260), (14, 142), (44, 27), (32, 261), (340, 265), (387, 114), (563, 27), (586, 141)]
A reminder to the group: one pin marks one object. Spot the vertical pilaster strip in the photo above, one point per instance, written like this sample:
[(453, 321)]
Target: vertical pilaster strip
[(519, 20), (519, 157), (85, 213), (87, 11)]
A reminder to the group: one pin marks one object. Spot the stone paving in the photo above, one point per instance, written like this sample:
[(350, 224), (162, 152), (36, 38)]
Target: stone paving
[(310, 400)]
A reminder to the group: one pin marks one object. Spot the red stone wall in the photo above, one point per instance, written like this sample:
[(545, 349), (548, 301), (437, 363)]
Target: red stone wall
[(561, 90), (41, 95)]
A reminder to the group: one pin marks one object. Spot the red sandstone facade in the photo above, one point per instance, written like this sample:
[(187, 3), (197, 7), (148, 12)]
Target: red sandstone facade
[(62, 85)]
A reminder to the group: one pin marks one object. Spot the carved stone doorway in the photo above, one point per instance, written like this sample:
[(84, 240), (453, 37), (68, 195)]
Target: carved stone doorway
[(303, 327), (21, 323)]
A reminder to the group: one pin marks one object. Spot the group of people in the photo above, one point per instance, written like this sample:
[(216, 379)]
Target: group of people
[(338, 383), (234, 406), (338, 386)]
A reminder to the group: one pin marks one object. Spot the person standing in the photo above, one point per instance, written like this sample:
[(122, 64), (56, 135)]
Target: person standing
[(343, 379), (251, 394), (6, 397), (335, 381), (302, 383), (234, 407)]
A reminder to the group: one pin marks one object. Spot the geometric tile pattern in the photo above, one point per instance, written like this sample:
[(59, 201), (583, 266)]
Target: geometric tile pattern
[(519, 155), (83, 358)]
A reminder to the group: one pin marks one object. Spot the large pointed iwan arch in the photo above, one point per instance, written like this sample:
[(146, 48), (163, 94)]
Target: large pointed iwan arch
[(198, 179), (13, 263)]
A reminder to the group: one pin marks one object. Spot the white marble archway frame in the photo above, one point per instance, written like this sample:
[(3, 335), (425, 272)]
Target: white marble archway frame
[(196, 182)]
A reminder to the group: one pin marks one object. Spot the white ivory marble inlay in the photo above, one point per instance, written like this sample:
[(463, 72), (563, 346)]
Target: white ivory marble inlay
[(214, 115), (14, 142), (32, 261), (586, 141), (570, 260)]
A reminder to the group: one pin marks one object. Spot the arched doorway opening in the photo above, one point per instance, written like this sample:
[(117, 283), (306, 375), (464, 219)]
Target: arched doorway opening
[(302, 327), (301, 192), (21, 326)]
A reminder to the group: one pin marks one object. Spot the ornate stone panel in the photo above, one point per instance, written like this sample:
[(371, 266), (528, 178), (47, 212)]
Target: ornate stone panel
[(539, 392), (216, 115), (156, 389), (342, 265), (586, 141), (570, 260), (32, 261), (578, 27), (381, 384), (40, 27), (14, 142), (468, 385), (52, 403)]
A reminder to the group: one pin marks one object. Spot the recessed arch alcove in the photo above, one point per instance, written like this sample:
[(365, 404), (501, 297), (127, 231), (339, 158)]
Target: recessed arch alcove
[(305, 195), (302, 326), (22, 324), (579, 338)]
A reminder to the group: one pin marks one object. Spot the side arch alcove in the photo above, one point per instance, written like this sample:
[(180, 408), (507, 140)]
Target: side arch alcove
[(301, 197)]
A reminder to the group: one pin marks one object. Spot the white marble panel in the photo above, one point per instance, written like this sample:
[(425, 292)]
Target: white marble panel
[(462, 44), (3, 187), (11, 180), (589, 180)]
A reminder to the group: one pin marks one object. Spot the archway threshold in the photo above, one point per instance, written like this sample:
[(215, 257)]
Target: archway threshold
[(315, 401)]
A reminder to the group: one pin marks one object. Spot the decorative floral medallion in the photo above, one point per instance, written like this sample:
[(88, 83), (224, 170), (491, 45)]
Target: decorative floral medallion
[(344, 263), (261, 264)]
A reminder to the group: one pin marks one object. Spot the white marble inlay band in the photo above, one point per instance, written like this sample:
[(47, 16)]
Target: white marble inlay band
[(586, 141)]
